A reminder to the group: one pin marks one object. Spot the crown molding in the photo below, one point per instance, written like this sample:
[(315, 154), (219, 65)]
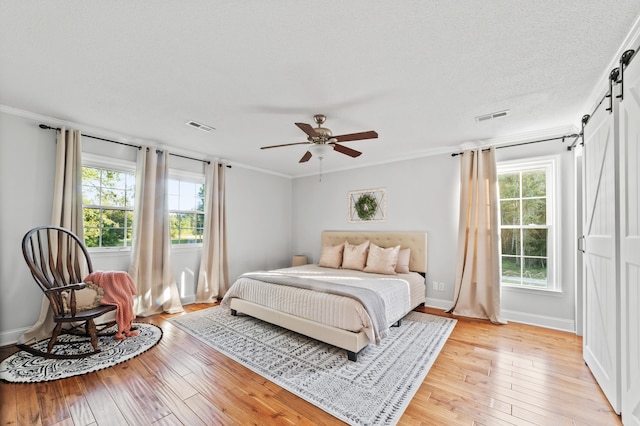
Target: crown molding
[(107, 134), (553, 132), (87, 129), (258, 169), (503, 140), (500, 141), (420, 154)]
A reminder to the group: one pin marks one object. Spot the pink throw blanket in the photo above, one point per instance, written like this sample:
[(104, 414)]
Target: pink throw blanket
[(118, 289)]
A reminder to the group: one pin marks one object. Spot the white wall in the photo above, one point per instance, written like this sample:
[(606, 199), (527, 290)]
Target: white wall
[(422, 195), (27, 158), (258, 220)]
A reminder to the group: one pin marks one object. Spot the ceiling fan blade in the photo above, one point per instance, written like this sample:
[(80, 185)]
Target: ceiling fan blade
[(371, 134), (308, 129), (286, 144), (344, 150), (305, 157)]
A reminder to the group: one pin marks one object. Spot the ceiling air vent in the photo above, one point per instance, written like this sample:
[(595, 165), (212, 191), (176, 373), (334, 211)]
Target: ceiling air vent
[(200, 126), (492, 115)]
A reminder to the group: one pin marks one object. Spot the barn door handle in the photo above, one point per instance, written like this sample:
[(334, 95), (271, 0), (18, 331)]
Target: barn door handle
[(581, 246)]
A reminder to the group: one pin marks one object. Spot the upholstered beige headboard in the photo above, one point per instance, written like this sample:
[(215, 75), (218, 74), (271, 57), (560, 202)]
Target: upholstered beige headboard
[(416, 241)]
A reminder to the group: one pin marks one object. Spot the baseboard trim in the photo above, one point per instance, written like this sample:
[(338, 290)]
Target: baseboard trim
[(11, 337), (188, 300), (438, 303), (544, 321), (553, 323)]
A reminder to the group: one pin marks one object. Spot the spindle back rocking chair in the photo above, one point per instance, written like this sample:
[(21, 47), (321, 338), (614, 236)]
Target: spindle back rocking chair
[(58, 262)]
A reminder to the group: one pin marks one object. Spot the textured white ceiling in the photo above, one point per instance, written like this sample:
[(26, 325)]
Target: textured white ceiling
[(417, 71)]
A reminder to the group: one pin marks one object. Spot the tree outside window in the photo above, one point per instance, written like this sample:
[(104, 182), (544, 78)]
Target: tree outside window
[(186, 211), (526, 227), (108, 199)]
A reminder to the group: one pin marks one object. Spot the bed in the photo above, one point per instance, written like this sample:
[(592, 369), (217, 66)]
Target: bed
[(312, 300)]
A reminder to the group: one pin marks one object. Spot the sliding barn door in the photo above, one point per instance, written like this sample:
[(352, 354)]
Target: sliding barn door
[(601, 341), (630, 243)]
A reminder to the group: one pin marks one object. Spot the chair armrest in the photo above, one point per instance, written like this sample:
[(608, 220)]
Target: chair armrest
[(75, 286), (56, 296)]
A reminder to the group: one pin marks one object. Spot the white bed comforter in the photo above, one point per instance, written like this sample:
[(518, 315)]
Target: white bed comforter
[(401, 294)]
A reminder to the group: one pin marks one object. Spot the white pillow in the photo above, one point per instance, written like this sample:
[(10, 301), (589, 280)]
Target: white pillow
[(355, 257), (404, 255), (382, 260), (331, 256), (87, 298)]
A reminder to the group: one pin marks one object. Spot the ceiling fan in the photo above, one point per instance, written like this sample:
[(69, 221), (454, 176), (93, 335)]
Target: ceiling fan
[(322, 140)]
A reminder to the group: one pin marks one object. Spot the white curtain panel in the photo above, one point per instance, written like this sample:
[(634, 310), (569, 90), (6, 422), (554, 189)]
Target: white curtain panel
[(150, 265), (477, 291), (67, 194), (213, 276), (66, 212)]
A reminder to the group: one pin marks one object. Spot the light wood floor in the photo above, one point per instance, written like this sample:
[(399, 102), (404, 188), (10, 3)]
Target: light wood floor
[(485, 375)]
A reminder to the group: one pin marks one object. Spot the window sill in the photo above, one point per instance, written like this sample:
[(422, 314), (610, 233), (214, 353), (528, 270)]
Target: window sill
[(119, 251), (187, 247), (109, 251), (531, 290)]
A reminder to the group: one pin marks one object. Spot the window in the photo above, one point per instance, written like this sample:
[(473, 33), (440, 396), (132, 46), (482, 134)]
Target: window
[(527, 223), (107, 198), (186, 211)]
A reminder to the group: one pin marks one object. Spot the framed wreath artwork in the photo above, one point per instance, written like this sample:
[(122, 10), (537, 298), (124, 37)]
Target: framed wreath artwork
[(368, 205)]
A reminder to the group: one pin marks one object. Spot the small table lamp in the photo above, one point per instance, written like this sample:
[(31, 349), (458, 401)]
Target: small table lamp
[(298, 260)]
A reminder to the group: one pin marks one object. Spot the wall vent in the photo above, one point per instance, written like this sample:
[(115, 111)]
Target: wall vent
[(200, 126), (492, 115)]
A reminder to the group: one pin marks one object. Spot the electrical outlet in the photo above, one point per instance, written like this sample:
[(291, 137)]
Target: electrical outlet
[(435, 285), (441, 286)]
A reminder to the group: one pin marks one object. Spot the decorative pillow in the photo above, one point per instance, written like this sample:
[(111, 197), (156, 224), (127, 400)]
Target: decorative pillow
[(331, 256), (355, 257), (403, 261), (382, 260), (87, 298)]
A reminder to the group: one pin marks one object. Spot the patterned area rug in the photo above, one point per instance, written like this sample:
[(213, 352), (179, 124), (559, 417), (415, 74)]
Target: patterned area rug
[(375, 390), (23, 367)]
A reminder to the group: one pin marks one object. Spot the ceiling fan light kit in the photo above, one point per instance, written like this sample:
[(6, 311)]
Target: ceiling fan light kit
[(322, 140), (320, 150)]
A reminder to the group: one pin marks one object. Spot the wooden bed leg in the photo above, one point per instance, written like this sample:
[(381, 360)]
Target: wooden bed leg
[(234, 312), (352, 356)]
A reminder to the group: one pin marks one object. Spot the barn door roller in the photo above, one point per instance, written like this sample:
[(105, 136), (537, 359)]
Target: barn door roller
[(613, 78), (624, 61)]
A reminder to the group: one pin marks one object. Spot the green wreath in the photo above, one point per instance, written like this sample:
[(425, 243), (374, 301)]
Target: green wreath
[(366, 206)]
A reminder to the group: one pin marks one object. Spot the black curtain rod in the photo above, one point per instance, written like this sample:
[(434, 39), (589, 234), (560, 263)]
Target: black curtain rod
[(573, 135), (159, 151), (625, 60), (44, 126)]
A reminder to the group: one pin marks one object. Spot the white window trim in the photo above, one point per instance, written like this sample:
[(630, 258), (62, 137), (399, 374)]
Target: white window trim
[(553, 217), (185, 175), (102, 162)]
